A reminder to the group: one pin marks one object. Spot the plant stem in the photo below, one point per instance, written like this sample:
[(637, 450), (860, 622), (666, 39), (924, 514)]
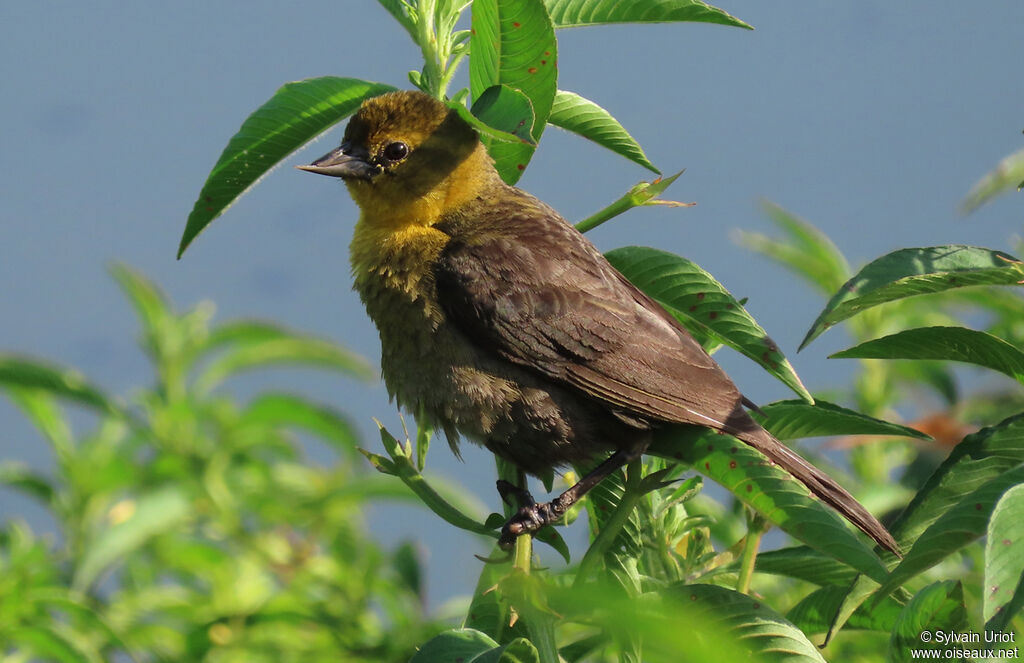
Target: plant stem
[(755, 530), (606, 537)]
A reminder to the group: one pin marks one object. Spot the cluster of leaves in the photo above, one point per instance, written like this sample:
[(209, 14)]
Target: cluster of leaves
[(192, 527)]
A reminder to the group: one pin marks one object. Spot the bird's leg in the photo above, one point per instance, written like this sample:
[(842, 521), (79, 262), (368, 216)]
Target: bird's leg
[(532, 516)]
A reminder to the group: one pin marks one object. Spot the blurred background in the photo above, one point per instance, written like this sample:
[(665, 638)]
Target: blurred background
[(870, 119)]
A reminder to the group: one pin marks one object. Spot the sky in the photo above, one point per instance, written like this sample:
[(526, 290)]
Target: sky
[(871, 119)]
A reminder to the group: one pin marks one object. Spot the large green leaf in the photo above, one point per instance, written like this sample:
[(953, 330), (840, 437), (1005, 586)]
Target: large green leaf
[(501, 113), (1004, 560), (918, 271), (806, 250), (582, 116), (703, 306), (793, 419), (945, 343), (297, 113), (961, 524), (756, 627), (937, 608), (573, 13), (1007, 176), (979, 458), (769, 489), (804, 563), (24, 372), (149, 515), (813, 613), (514, 44), (462, 644)]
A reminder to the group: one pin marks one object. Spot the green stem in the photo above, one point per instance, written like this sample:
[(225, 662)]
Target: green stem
[(606, 537), (427, 38), (755, 530)]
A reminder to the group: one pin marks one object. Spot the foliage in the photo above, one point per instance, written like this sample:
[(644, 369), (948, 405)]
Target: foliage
[(192, 530), (191, 526)]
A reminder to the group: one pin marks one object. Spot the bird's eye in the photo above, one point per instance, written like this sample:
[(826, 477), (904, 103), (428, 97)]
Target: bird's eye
[(396, 151)]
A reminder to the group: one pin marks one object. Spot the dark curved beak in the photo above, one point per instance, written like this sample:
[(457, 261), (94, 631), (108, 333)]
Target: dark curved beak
[(345, 161)]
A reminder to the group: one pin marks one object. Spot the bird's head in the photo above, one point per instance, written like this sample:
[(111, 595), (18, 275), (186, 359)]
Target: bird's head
[(406, 153)]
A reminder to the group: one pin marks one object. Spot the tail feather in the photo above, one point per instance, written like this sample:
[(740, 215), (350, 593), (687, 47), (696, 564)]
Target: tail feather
[(821, 485)]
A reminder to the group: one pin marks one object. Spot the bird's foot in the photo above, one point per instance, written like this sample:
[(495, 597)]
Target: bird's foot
[(531, 516)]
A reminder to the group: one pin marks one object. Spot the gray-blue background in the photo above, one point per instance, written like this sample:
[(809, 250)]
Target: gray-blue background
[(870, 118)]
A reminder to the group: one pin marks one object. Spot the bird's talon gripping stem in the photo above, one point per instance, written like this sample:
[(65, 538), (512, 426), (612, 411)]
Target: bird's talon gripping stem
[(510, 491)]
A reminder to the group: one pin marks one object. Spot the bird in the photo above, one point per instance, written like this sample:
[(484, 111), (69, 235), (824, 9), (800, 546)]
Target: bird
[(501, 323)]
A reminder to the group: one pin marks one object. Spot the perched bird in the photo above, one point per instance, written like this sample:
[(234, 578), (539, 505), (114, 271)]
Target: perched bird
[(500, 322)]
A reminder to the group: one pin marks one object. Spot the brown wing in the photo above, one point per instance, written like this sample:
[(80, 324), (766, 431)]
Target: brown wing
[(530, 288)]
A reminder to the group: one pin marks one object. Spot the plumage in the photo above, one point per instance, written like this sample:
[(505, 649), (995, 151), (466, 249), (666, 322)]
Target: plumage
[(502, 323)]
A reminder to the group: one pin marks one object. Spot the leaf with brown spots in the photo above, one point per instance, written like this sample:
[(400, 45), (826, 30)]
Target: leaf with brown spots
[(1003, 594)]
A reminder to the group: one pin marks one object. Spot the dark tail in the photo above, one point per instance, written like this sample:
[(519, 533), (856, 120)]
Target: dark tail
[(821, 485)]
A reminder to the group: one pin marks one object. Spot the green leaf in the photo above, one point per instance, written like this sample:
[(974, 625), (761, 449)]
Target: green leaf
[(805, 251), (643, 193), (514, 44), (804, 563), (292, 349), (946, 343), (979, 458), (793, 419), (279, 409), (960, 525), (814, 612), (911, 272), (704, 307), (519, 650), (21, 478), (150, 303), (937, 607), (770, 490), (501, 113), (1004, 560), (582, 116), (756, 627), (399, 10), (297, 113), (574, 13), (461, 644), (1007, 176), (24, 372), (46, 642), (151, 514)]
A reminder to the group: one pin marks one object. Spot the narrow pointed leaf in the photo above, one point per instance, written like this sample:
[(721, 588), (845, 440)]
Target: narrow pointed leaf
[(21, 478), (582, 116), (1004, 559), (150, 303), (18, 371), (278, 409), (703, 306), (793, 419), (767, 635), (804, 563), (152, 514), (770, 490), (963, 523), (1007, 176), (937, 607), (642, 193), (945, 343), (919, 271), (400, 12), (514, 44), (305, 351), (573, 13), (805, 250), (813, 613), (296, 114)]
